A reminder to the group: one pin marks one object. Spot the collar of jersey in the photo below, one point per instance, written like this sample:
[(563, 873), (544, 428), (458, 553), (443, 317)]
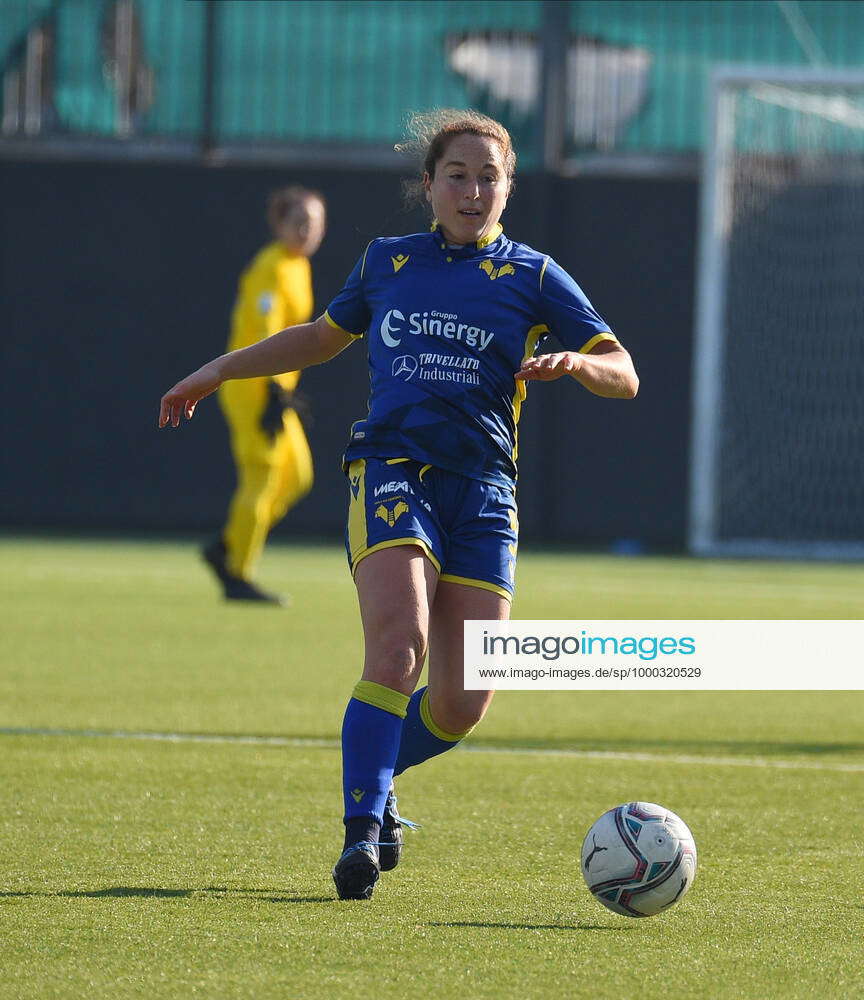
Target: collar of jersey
[(469, 248)]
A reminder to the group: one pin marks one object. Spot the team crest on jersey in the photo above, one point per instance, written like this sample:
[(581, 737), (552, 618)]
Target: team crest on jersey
[(399, 261), (496, 272), (390, 511), (265, 303)]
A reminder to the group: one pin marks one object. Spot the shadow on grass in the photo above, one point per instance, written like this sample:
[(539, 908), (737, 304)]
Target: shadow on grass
[(154, 892), (267, 895), (530, 927), (114, 892), (125, 891)]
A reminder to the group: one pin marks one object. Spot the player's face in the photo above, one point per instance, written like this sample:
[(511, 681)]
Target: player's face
[(469, 190), (304, 228)]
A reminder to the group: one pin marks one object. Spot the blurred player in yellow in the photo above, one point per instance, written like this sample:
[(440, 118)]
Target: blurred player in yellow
[(274, 463)]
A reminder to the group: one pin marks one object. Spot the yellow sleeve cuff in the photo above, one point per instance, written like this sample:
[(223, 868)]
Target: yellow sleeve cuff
[(335, 325), (595, 340)]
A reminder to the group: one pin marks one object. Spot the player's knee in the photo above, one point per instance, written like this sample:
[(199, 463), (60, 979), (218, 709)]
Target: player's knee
[(255, 480), (305, 480), (459, 711), (394, 657)]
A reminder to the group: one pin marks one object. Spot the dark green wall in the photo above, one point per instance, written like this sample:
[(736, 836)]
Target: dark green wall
[(118, 279)]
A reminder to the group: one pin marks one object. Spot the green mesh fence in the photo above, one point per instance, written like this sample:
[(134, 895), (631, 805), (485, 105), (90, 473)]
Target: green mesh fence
[(335, 72), (682, 40), (344, 72)]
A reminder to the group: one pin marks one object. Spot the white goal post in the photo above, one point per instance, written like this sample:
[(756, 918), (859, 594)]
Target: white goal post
[(777, 444)]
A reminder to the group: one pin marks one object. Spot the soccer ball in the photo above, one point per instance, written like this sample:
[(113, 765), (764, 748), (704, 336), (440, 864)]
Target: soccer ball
[(638, 859)]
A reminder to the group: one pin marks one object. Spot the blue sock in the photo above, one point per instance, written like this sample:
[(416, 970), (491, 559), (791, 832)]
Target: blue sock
[(371, 731), (421, 738)]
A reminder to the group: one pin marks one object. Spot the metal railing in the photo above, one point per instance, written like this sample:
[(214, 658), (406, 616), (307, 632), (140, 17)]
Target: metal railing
[(574, 81)]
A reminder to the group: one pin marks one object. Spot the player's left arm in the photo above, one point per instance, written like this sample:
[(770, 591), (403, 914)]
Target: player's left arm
[(607, 370)]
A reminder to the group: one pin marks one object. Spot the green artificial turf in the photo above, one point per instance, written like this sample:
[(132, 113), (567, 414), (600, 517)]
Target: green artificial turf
[(178, 867)]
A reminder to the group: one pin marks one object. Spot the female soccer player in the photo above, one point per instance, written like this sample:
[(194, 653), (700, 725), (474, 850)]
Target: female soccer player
[(271, 453), (452, 318)]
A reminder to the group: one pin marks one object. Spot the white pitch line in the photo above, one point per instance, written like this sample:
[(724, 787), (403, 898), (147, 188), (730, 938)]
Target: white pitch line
[(330, 744), (668, 758), (125, 734)]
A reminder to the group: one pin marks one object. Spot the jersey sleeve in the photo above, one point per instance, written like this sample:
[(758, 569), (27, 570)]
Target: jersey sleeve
[(566, 311), (349, 311)]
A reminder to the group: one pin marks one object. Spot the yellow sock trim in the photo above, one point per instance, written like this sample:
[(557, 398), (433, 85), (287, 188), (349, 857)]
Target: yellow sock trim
[(382, 697), (429, 722)]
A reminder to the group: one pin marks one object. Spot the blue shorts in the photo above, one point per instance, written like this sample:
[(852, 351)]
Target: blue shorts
[(467, 528)]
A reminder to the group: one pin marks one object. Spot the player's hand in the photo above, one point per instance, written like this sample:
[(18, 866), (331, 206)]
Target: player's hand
[(185, 396), (548, 367)]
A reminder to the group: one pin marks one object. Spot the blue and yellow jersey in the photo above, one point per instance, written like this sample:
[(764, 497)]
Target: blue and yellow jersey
[(447, 329)]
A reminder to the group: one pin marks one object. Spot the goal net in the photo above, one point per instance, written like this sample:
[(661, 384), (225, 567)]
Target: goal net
[(777, 457)]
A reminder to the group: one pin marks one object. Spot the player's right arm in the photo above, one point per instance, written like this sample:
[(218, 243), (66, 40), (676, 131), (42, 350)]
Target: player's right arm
[(287, 351)]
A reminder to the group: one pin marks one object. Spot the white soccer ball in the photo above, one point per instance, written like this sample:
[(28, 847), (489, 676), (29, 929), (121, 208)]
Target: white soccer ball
[(639, 859)]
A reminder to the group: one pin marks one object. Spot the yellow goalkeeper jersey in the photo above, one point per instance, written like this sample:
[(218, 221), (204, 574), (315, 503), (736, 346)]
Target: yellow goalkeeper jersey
[(275, 291)]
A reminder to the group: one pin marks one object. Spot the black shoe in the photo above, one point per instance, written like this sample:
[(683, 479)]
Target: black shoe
[(390, 840), (237, 589), (215, 555), (357, 871)]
